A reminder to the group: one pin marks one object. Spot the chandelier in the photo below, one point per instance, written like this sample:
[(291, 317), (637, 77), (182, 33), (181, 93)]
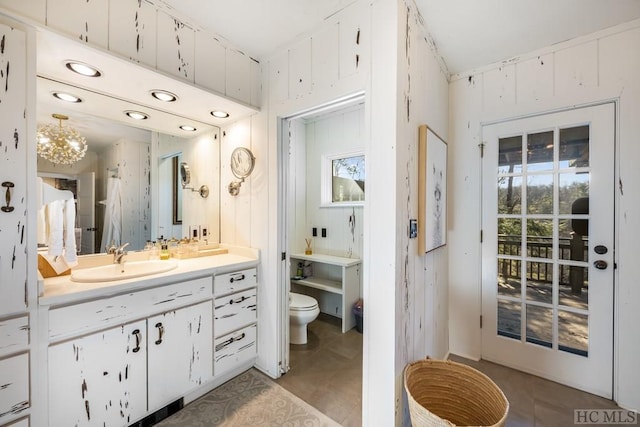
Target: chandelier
[(60, 145)]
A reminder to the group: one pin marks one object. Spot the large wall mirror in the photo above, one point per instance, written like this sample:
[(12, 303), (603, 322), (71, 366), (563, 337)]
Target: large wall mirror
[(139, 153)]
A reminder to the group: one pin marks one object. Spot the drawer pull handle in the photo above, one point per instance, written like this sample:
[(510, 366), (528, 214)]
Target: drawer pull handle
[(138, 336), (236, 278), (238, 300), (160, 333), (230, 341)]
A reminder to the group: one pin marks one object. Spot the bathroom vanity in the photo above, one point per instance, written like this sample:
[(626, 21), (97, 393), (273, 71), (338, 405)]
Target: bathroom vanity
[(118, 351), (334, 281)]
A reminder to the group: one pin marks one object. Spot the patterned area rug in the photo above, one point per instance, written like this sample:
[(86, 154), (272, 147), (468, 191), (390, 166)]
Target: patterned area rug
[(250, 399)]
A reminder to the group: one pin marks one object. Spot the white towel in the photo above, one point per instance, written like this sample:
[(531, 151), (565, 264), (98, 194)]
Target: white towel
[(61, 239), (113, 215)]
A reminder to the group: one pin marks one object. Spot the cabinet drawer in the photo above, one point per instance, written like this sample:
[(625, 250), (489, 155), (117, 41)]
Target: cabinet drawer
[(234, 282), (14, 391), (106, 312), (234, 349), (234, 311), (14, 334)]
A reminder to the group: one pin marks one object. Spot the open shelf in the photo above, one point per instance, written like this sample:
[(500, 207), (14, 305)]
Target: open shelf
[(320, 283)]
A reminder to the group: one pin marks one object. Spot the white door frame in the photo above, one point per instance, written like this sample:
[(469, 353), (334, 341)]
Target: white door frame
[(616, 178), (284, 212)]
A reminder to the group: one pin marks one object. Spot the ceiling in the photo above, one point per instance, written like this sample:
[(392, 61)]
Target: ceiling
[(468, 33)]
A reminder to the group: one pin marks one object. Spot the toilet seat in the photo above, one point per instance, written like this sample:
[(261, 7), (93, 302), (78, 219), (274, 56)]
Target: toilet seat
[(300, 302)]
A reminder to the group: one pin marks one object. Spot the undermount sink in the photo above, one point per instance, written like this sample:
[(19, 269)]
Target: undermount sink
[(128, 270)]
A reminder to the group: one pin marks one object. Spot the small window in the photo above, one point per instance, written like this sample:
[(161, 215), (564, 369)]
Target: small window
[(343, 177)]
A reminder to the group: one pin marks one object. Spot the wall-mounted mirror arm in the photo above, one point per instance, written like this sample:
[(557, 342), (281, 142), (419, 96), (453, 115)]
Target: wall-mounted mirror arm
[(185, 176)]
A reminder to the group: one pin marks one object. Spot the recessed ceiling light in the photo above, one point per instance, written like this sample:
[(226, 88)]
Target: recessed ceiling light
[(220, 114), (163, 95), (66, 97), (84, 69), (187, 128), (136, 115)]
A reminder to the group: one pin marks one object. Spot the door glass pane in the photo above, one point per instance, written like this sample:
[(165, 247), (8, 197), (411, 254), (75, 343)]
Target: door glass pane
[(539, 325), (540, 194), (573, 290), (540, 151), (573, 189), (573, 246), (509, 319), (540, 238), (509, 277), (540, 281), (574, 147), (509, 236), (573, 333), (510, 155), (509, 194)]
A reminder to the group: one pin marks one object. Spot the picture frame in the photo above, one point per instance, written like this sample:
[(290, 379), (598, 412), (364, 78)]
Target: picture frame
[(343, 179), (432, 190)]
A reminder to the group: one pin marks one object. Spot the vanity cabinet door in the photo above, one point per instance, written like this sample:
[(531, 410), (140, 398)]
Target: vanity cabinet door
[(14, 389), (99, 379), (180, 344)]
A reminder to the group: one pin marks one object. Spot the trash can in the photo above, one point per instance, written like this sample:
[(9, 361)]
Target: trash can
[(444, 393), (358, 307)]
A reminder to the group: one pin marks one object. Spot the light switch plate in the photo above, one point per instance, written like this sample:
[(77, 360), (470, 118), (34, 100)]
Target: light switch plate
[(204, 232), (194, 232)]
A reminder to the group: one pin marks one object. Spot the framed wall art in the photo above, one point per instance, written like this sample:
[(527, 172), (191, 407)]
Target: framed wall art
[(432, 190)]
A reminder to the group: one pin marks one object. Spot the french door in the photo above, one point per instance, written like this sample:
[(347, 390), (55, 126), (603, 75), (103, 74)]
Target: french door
[(547, 252)]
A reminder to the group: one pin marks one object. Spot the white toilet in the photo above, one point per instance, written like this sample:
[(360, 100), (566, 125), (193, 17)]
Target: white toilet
[(303, 310)]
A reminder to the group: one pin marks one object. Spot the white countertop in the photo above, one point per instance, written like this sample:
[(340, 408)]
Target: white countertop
[(62, 291)]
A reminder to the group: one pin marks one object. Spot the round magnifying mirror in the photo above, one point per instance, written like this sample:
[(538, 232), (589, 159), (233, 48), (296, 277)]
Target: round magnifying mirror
[(185, 174)]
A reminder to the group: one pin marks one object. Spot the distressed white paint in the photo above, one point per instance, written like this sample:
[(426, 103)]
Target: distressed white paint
[(233, 282), (88, 22), (238, 71), (14, 387), (534, 75), (355, 38), (300, 69), (234, 311), (177, 39), (210, 62), (13, 168), (180, 351), (106, 312), (132, 30), (602, 66), (234, 349), (14, 334), (103, 375)]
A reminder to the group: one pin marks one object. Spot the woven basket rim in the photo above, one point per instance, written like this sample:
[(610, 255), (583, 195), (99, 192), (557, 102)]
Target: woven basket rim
[(415, 405)]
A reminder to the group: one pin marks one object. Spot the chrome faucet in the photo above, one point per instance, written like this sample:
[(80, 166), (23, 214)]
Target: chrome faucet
[(119, 254)]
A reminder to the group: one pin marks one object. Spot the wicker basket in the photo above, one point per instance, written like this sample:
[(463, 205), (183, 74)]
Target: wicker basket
[(445, 394)]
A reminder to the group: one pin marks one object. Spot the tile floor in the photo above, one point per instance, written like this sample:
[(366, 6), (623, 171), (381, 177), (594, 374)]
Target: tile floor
[(534, 401), (327, 373)]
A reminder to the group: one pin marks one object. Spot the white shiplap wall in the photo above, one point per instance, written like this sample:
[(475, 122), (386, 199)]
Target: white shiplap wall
[(601, 66), (405, 293)]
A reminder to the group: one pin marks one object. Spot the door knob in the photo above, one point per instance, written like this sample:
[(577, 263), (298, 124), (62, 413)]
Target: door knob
[(600, 264), (600, 249)]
